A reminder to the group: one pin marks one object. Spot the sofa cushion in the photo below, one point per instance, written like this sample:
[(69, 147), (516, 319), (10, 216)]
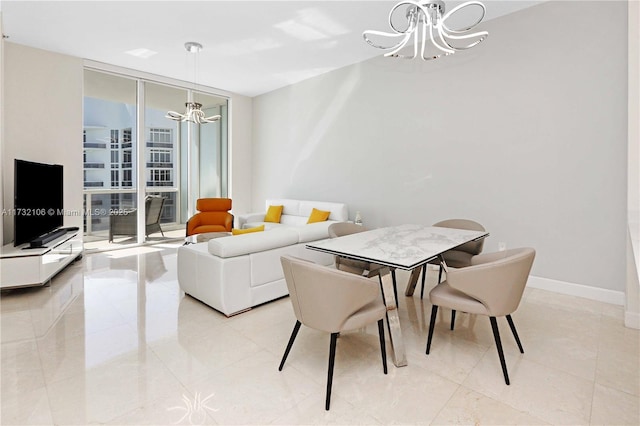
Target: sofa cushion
[(238, 245), (313, 231)]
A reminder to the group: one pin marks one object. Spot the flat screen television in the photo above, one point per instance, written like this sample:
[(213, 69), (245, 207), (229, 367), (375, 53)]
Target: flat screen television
[(37, 200)]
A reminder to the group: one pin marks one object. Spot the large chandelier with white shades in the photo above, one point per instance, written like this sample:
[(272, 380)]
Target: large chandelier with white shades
[(193, 112), (427, 19)]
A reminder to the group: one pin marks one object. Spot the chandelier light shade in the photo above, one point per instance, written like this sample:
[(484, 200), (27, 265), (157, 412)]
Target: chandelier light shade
[(427, 19), (193, 112)]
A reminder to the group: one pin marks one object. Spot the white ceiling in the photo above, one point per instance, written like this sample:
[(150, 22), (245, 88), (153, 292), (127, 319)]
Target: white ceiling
[(250, 47)]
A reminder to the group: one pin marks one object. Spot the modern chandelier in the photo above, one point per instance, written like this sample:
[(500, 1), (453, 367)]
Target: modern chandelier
[(428, 18), (193, 112)]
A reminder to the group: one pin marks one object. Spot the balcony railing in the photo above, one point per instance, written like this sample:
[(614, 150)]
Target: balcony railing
[(93, 165), (95, 145), (159, 145)]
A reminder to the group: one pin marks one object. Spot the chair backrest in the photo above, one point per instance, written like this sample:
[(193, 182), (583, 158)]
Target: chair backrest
[(497, 279), (213, 204), (153, 206), (324, 298), (344, 228), (472, 247)]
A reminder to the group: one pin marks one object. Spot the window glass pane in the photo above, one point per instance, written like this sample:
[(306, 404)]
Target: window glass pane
[(109, 154)]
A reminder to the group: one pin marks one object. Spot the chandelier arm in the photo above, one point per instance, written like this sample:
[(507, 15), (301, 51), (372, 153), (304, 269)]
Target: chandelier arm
[(412, 23), (398, 47), (445, 47), (461, 6), (175, 116), (481, 35), (382, 33)]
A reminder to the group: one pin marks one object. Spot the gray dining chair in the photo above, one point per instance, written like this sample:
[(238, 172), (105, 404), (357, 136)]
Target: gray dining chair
[(332, 301), (459, 257), (360, 267), (491, 286)]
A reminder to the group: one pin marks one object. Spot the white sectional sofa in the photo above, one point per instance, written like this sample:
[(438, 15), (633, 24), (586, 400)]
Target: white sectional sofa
[(294, 213), (234, 273)]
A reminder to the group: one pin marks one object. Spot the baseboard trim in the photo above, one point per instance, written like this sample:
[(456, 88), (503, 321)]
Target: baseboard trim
[(580, 290), (632, 320)]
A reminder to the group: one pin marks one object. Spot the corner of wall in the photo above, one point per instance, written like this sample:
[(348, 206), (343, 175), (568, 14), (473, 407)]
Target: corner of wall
[(632, 296)]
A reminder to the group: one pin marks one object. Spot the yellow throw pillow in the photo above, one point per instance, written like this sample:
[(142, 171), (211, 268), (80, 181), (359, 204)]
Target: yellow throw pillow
[(273, 214), (318, 216), (235, 231)]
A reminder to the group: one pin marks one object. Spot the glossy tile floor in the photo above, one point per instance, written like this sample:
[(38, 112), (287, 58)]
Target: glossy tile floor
[(114, 341)]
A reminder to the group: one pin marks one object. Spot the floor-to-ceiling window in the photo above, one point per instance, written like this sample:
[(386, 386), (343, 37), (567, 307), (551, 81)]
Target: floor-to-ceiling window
[(178, 161), (109, 150)]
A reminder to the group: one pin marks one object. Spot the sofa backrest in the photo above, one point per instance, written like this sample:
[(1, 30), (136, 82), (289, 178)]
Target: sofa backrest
[(238, 245), (296, 212)]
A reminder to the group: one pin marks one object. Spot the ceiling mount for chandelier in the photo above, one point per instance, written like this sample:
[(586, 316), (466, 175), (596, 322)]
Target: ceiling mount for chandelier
[(193, 112), (429, 18)]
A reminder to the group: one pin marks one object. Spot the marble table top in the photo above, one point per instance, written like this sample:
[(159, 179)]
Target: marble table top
[(404, 246)]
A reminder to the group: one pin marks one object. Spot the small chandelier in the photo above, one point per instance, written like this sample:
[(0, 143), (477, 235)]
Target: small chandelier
[(193, 112), (428, 17)]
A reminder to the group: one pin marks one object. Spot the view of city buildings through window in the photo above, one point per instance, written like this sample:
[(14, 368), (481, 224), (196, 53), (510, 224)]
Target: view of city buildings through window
[(110, 153)]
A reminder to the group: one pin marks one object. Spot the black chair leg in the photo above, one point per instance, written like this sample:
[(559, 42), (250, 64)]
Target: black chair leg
[(440, 274), (332, 357), (296, 328), (424, 277), (453, 318), (383, 348), (434, 312), (515, 333), (496, 336)]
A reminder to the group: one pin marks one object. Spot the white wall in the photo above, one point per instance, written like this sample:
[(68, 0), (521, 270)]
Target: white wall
[(526, 134), (42, 121)]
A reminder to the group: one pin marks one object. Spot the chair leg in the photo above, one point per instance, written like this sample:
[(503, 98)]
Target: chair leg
[(515, 333), (453, 318), (440, 274), (424, 277), (496, 336), (332, 357), (383, 348), (296, 328), (434, 312)]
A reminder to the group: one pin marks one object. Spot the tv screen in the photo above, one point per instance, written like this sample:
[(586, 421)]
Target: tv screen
[(37, 200)]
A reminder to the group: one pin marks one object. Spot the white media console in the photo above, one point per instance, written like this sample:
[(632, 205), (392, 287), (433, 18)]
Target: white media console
[(22, 266)]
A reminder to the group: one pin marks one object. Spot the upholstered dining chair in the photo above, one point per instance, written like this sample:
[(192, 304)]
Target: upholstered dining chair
[(359, 267), (491, 286), (459, 257), (213, 216), (333, 301)]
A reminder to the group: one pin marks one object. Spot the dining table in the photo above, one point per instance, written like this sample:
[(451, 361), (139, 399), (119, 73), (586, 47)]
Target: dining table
[(405, 247)]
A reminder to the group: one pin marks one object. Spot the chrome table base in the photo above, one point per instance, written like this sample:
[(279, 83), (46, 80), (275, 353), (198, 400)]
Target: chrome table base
[(398, 355)]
